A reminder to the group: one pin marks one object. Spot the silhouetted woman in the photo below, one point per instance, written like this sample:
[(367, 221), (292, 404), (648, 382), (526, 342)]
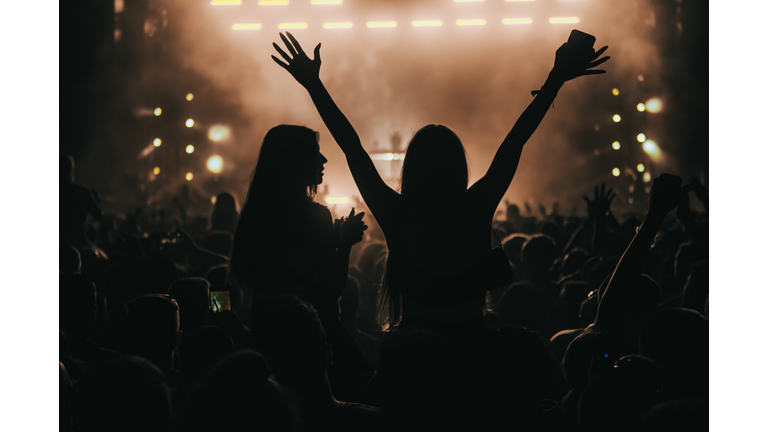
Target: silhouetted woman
[(432, 281)]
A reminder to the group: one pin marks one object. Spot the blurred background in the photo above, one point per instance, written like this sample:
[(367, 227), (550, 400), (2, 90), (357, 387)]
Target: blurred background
[(166, 97)]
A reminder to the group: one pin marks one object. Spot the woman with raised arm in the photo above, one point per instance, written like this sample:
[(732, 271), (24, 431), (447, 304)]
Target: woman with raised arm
[(435, 282)]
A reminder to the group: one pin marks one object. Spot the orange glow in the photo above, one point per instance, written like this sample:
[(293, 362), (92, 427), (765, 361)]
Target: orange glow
[(189, 96), (616, 145), (468, 1), (641, 137), (563, 20), (387, 156), (227, 2), (244, 26), (156, 142), (190, 148), (509, 21), (336, 200), (640, 78), (219, 133), (654, 105), (189, 123), (640, 167), (158, 111), (381, 24), (616, 172), (615, 92), (337, 25), (616, 118), (156, 171), (215, 164), (652, 149), (189, 176), (327, 2), (292, 26), (432, 23), (213, 199), (470, 22), (647, 178), (273, 2)]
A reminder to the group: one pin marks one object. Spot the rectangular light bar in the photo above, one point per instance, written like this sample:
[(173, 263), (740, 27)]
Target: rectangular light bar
[(381, 24), (273, 2), (326, 2), (427, 23), (512, 21), (246, 26), (563, 20), (337, 200), (226, 2), (387, 156), (337, 25), (470, 22), (292, 26)]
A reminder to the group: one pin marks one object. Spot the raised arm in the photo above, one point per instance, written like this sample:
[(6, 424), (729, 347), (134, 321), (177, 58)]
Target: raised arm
[(569, 64), (377, 195)]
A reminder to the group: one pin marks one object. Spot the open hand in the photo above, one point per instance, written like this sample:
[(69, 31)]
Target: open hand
[(305, 70), (601, 204), (666, 193), (352, 229), (571, 63)]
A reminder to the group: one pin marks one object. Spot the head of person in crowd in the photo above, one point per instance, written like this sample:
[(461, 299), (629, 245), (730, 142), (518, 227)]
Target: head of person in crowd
[(435, 165), (69, 260), (125, 394), (202, 348), (537, 256), (523, 305), (573, 262), (513, 247), (66, 170), (225, 213), (153, 328), (193, 297)]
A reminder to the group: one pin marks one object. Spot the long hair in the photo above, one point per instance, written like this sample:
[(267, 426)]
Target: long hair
[(435, 165), (284, 178)]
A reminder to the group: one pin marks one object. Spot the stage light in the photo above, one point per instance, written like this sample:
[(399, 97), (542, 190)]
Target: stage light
[(337, 25), (564, 20), (189, 176), (387, 156), (190, 148), (641, 107), (647, 177), (616, 118), (189, 96), (428, 23), (156, 142), (158, 111), (213, 199), (652, 149), (156, 171), (336, 200), (292, 26), (273, 2), (616, 145), (640, 78), (511, 21), (616, 172), (654, 105), (189, 123), (327, 2), (219, 133), (246, 26), (470, 22), (227, 2), (640, 167), (641, 137), (215, 164), (119, 6), (615, 92), (381, 24)]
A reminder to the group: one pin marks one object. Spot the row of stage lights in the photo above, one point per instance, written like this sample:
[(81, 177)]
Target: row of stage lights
[(653, 105), (334, 2), (215, 164), (393, 24)]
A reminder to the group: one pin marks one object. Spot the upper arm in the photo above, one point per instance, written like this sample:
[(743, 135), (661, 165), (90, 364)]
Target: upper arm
[(379, 197), (490, 189)]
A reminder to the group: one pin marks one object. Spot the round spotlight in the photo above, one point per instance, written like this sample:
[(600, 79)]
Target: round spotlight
[(190, 148), (640, 167), (215, 164), (641, 137), (615, 92), (647, 177), (654, 105), (219, 133), (641, 107), (616, 172), (156, 171), (189, 176), (213, 199), (616, 118), (651, 148), (640, 78), (189, 123), (158, 111), (156, 142), (190, 96), (616, 145)]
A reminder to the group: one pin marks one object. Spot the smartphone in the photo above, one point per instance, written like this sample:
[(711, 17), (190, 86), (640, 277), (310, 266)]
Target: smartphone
[(581, 40), (220, 299)]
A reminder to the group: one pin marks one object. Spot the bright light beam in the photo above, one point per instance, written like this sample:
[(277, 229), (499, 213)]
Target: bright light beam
[(654, 105), (215, 164), (273, 2), (563, 20), (652, 149)]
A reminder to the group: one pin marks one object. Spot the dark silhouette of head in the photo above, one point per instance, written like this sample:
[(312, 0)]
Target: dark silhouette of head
[(193, 297), (523, 305), (153, 328), (238, 394), (225, 213), (513, 247), (77, 306), (69, 260), (537, 256), (202, 348), (125, 394), (435, 164), (578, 359), (66, 170), (574, 261)]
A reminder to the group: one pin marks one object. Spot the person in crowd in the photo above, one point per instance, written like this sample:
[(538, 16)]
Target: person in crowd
[(193, 297), (435, 281)]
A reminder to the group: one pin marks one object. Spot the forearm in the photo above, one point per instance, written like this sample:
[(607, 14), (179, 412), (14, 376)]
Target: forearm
[(341, 129), (530, 119)]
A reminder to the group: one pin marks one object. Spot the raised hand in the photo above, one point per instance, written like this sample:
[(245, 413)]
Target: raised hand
[(305, 70), (601, 204), (572, 63), (352, 228), (666, 193)]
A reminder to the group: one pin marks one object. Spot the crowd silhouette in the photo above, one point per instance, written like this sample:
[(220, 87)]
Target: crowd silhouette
[(439, 316)]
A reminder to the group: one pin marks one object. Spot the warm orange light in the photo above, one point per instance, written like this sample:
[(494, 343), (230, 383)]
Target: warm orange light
[(512, 21), (156, 171), (213, 199), (337, 25), (647, 177), (615, 92), (156, 142), (616, 145), (616, 118), (189, 96), (428, 23), (467, 1), (189, 176), (641, 107), (641, 137), (327, 2), (189, 123), (388, 156), (292, 26), (381, 24), (470, 22), (652, 149), (273, 2), (215, 164), (219, 133), (190, 148), (616, 172), (640, 167), (158, 111), (227, 2), (563, 20), (246, 26), (654, 105), (336, 200), (640, 78)]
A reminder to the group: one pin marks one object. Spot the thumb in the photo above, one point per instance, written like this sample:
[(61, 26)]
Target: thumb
[(317, 53)]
